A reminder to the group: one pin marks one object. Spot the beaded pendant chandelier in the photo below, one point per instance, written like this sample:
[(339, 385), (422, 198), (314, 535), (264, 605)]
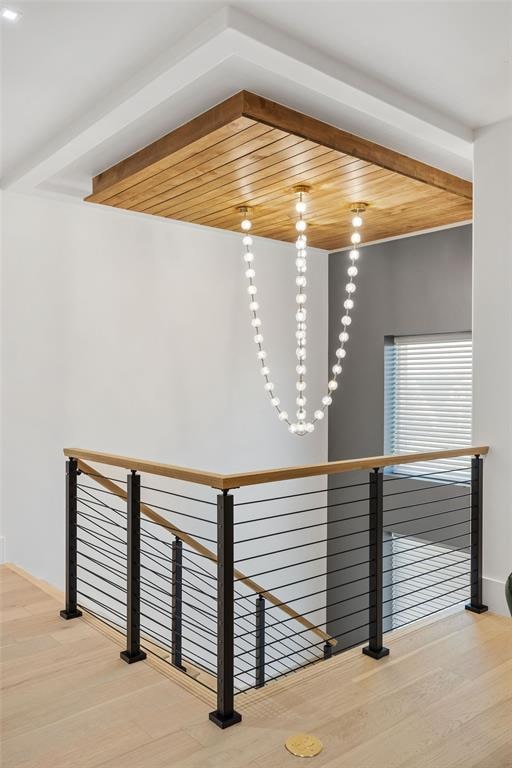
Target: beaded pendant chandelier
[(302, 425)]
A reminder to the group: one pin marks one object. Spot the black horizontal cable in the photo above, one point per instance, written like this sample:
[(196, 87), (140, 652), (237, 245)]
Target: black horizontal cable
[(98, 489), (102, 605), (427, 488), (103, 477), (190, 639), (415, 534), (157, 655), (121, 588), (426, 474), (431, 557), (421, 574), (100, 519), (429, 544), (302, 511), (311, 560), (302, 528), (316, 626), (121, 574), (429, 600), (173, 530), (424, 517), (106, 552), (333, 637), (98, 589), (101, 536), (179, 495), (165, 609), (166, 645), (207, 633), (102, 516), (300, 546), (314, 660), (104, 619), (99, 502), (152, 505), (270, 662), (304, 493), (320, 608), (201, 570), (431, 613), (425, 587)]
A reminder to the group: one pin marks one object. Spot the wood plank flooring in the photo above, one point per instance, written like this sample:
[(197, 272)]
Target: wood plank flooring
[(443, 698)]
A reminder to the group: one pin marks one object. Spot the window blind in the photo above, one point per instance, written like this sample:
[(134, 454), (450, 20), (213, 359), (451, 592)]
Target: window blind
[(428, 400)]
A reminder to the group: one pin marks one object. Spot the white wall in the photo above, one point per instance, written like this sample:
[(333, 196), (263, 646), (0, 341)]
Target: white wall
[(492, 343), (131, 334)]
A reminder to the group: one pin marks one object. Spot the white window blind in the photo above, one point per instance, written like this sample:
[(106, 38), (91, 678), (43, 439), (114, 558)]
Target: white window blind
[(428, 399)]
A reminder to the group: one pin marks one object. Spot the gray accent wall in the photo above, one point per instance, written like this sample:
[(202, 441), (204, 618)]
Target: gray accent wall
[(416, 285)]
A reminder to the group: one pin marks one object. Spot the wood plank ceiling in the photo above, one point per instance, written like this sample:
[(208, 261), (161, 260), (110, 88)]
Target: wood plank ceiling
[(249, 151)]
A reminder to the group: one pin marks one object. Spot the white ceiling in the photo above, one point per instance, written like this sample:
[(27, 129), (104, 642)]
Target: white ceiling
[(404, 73)]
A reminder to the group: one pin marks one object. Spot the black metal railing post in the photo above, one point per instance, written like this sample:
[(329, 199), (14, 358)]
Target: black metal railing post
[(260, 642), (71, 611), (225, 715), (476, 604), (133, 651), (176, 602), (375, 649)]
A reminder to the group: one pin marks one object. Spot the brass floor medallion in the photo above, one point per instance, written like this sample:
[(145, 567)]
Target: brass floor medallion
[(303, 745)]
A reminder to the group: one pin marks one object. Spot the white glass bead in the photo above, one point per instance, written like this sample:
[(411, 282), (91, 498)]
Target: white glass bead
[(262, 354), (258, 338), (301, 415), (269, 386), (301, 428), (248, 256), (254, 306), (319, 415), (301, 298), (300, 334), (265, 370), (343, 337), (301, 386), (336, 369), (301, 225), (332, 385), (300, 316), (354, 254), (300, 281), (251, 290), (340, 353), (346, 320), (302, 253), (300, 353), (302, 270), (352, 271), (301, 370), (326, 400), (250, 273), (348, 303), (256, 322), (283, 416), (275, 401), (355, 237), (247, 240), (310, 427), (292, 428), (300, 262), (300, 207), (350, 288), (301, 326), (300, 242), (246, 225), (301, 401), (357, 221)]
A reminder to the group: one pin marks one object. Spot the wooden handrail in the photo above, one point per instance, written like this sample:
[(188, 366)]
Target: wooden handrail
[(112, 487), (227, 482)]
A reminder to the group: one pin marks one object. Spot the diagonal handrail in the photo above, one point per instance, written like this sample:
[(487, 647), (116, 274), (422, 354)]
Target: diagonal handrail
[(150, 513)]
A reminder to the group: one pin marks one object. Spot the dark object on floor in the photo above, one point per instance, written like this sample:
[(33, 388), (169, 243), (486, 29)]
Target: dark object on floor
[(508, 592)]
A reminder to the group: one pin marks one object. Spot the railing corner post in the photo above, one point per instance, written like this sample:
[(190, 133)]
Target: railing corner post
[(71, 611), (476, 604), (375, 648), (225, 715), (133, 651)]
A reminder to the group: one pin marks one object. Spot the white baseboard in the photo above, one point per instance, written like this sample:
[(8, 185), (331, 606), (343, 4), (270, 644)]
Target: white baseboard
[(494, 596)]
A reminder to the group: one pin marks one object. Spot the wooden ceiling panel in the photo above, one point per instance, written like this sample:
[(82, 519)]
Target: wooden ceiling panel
[(249, 151)]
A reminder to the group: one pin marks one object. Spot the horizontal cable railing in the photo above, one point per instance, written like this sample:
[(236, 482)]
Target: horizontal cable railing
[(238, 592)]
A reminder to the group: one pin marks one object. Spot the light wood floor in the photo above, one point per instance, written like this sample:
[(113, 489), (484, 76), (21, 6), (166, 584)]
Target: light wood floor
[(442, 699)]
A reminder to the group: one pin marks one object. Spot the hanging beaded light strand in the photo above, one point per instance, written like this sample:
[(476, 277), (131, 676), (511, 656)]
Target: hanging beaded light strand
[(302, 426)]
